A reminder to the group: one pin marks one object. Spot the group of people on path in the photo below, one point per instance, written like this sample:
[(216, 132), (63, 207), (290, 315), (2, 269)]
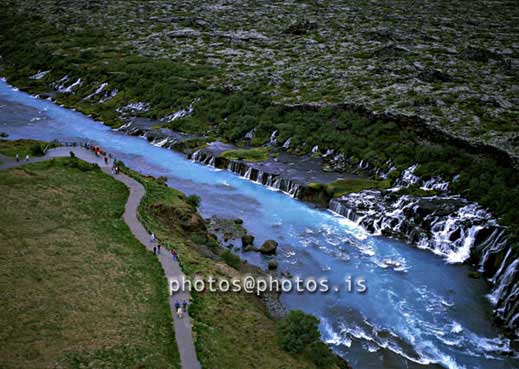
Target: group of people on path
[(180, 310), (99, 152), (27, 157)]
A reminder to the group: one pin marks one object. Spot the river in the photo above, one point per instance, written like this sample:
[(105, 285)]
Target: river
[(423, 314)]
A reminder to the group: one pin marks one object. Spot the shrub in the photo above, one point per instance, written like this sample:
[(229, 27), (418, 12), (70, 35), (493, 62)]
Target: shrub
[(231, 259), (36, 150), (193, 200), (320, 354), (162, 180), (199, 239), (298, 330)]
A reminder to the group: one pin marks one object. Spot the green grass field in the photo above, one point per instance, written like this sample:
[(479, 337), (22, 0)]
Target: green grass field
[(22, 148), (76, 289)]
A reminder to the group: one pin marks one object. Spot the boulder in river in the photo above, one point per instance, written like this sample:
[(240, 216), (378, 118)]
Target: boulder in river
[(269, 247), (273, 264), (247, 240)]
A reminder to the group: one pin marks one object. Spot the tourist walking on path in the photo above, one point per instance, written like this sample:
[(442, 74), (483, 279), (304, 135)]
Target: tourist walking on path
[(184, 306), (17, 158), (174, 254), (158, 248), (152, 238), (154, 250), (27, 157), (178, 310)]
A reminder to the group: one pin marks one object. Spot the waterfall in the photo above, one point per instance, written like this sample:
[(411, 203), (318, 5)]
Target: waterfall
[(259, 178), (504, 281), (69, 89), (40, 75), (97, 91), (315, 149), (212, 161), (273, 138), (277, 183), (250, 134), (286, 145), (248, 173), (435, 183), (328, 153), (494, 244), (408, 177), (204, 157), (447, 225), (109, 96), (160, 143)]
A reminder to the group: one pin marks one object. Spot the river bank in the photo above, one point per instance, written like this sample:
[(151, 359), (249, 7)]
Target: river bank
[(311, 242), (424, 213)]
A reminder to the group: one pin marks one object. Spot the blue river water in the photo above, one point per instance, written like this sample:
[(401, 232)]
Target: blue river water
[(423, 313)]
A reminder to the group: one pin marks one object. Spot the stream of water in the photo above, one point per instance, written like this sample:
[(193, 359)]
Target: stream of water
[(423, 313)]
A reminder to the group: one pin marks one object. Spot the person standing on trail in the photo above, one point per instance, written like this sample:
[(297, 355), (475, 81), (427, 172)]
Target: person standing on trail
[(184, 306), (154, 250), (174, 254), (27, 157), (158, 248), (178, 309), (106, 160), (17, 158), (152, 238)]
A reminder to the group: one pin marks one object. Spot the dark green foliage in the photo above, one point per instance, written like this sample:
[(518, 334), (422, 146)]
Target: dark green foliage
[(36, 150), (320, 354), (297, 331), (193, 200), (231, 259), (199, 239)]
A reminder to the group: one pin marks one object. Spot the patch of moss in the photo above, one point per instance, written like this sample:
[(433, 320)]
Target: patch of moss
[(256, 154), (343, 187)]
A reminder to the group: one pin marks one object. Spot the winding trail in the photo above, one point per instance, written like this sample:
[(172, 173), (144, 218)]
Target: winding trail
[(183, 326)]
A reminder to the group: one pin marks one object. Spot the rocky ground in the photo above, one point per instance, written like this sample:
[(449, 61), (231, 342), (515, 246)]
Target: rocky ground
[(454, 64)]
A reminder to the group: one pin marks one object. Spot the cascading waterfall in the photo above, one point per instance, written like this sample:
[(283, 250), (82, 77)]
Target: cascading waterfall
[(273, 138), (274, 181), (447, 225)]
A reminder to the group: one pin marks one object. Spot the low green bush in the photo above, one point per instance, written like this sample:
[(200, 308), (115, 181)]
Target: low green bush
[(193, 200), (231, 259)]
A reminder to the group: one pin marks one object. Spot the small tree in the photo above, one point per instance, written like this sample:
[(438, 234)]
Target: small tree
[(298, 330), (193, 200)]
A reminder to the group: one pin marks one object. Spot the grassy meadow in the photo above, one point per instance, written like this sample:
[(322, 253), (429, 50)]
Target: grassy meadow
[(77, 290)]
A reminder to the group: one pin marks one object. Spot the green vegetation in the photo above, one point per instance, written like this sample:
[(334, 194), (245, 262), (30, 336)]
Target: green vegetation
[(228, 114), (345, 186), (298, 332), (77, 289), (22, 148), (232, 330), (194, 201), (231, 259), (256, 154)]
